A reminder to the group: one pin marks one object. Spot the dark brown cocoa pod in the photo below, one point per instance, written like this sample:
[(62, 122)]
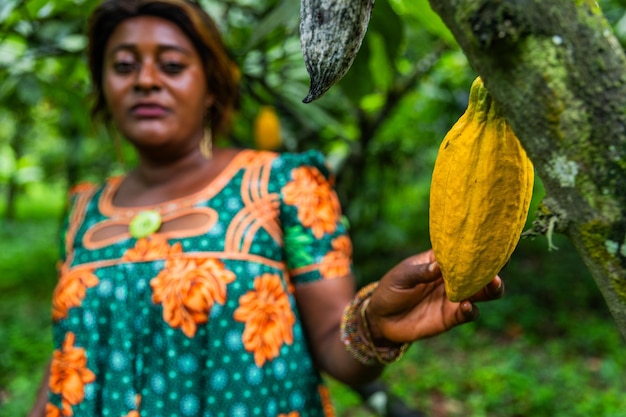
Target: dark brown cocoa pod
[(331, 34)]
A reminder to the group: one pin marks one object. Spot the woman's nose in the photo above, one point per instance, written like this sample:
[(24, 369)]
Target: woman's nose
[(147, 77)]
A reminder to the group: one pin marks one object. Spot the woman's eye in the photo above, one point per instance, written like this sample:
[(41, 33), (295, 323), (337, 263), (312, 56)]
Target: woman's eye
[(124, 67), (172, 67)]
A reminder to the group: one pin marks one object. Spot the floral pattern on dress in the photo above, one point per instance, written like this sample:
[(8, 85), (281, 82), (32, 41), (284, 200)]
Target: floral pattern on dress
[(187, 290), (268, 317), (71, 289), (337, 263), (166, 294), (53, 411), (298, 246), (135, 413), (155, 247), (317, 203), (69, 375)]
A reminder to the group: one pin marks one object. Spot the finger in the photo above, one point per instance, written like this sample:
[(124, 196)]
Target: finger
[(424, 257), (466, 312), (412, 273), (493, 290)]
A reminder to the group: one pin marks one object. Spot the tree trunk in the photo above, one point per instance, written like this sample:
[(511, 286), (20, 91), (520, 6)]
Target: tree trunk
[(17, 144), (559, 75)]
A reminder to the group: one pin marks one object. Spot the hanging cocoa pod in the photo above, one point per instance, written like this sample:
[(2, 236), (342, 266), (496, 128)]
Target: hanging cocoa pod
[(267, 129), (480, 193), (331, 33)]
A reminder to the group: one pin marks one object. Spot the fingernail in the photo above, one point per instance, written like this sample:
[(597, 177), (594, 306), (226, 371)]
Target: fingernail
[(432, 266)]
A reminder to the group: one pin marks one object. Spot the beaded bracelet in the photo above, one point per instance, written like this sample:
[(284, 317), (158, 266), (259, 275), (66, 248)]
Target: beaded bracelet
[(360, 346)]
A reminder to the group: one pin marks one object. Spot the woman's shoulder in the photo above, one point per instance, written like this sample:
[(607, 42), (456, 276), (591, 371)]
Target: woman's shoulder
[(292, 160), (89, 188), (84, 187), (282, 161), (309, 157)]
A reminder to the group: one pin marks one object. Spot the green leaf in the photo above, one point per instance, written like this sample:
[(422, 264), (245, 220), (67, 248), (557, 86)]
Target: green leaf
[(6, 8), (389, 25), (29, 91), (40, 8), (358, 80), (7, 162), (283, 15), (374, 63), (8, 87), (380, 66), (313, 114), (27, 170), (54, 30), (420, 12), (345, 222), (73, 43), (11, 49)]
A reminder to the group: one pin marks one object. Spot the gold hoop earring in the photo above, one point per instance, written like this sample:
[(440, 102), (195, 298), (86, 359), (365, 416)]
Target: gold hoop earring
[(206, 144)]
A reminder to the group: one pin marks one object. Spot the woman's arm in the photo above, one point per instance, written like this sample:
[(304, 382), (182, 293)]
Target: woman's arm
[(321, 304), (39, 408), (409, 304)]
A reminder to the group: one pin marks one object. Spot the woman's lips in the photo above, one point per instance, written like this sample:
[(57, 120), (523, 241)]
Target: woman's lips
[(149, 111)]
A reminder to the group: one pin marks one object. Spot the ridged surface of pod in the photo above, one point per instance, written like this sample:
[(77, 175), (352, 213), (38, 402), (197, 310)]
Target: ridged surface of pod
[(480, 193), (331, 34)]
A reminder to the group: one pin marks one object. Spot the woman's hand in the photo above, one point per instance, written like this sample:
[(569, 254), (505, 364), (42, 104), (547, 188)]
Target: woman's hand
[(410, 302)]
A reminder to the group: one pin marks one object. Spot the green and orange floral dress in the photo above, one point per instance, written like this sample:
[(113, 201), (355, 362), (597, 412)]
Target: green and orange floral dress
[(199, 318)]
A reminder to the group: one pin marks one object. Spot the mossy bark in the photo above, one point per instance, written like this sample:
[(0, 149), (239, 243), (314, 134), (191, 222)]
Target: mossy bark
[(559, 75)]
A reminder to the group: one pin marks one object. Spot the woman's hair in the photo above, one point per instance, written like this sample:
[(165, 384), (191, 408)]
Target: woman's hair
[(220, 71)]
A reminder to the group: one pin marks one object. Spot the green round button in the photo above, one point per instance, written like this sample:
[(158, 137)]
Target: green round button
[(144, 223)]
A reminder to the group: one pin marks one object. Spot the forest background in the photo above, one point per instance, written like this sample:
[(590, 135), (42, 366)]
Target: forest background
[(550, 348)]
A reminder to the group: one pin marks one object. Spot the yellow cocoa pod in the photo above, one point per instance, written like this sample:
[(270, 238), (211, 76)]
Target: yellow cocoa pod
[(267, 129), (480, 193)]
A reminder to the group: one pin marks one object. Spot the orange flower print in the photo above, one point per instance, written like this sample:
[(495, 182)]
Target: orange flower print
[(291, 414), (71, 289), (188, 288), (318, 205), (53, 411), (337, 262), (154, 247), (268, 317), (69, 375)]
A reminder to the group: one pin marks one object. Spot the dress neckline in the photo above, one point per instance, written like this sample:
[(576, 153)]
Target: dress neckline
[(109, 209)]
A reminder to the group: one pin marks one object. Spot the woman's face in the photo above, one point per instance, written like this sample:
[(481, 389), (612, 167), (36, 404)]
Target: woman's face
[(154, 85)]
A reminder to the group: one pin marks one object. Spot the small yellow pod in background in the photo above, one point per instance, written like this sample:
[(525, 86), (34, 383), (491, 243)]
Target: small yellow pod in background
[(480, 194), (267, 135)]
